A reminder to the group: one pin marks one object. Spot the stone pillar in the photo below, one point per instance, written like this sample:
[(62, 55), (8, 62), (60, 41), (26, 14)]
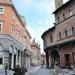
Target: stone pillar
[(71, 59), (16, 57), (61, 58), (12, 64), (20, 58), (47, 59), (3, 59)]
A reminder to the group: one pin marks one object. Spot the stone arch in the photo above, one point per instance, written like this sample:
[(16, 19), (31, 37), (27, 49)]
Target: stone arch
[(55, 57)]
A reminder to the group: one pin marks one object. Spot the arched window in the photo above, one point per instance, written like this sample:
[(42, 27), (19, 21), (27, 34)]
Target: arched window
[(58, 18), (59, 35), (1, 48), (66, 33), (51, 38), (73, 32), (63, 16)]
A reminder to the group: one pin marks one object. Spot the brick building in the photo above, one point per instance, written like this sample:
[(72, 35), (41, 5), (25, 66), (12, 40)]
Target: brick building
[(59, 41), (15, 40)]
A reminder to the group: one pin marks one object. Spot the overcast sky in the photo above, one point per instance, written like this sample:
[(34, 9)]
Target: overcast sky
[(38, 15)]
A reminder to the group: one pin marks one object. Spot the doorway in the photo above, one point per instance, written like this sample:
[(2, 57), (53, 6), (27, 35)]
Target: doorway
[(1, 60), (67, 60), (55, 57)]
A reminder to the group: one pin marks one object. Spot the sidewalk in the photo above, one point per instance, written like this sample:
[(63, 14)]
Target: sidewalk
[(9, 72), (65, 71)]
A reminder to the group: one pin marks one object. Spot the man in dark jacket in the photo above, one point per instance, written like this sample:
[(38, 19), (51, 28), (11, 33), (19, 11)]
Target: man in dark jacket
[(23, 70), (17, 70)]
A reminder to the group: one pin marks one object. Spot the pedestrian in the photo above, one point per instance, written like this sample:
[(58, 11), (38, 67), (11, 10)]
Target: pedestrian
[(6, 67), (23, 70), (58, 70), (17, 70), (42, 65)]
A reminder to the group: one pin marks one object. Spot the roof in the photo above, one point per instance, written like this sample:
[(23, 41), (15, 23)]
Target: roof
[(49, 30), (62, 6)]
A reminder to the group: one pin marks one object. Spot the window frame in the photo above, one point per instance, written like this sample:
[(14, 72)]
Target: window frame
[(12, 31), (2, 11), (1, 23)]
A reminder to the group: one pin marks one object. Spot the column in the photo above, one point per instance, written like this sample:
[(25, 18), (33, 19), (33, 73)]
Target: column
[(12, 64), (47, 59), (16, 57), (3, 59), (61, 58), (20, 58)]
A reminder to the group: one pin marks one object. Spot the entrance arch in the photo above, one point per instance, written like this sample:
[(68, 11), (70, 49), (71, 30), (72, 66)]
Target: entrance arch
[(54, 57)]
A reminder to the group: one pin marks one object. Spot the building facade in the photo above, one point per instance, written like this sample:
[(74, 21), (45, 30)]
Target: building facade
[(15, 41), (35, 53), (59, 41), (43, 59)]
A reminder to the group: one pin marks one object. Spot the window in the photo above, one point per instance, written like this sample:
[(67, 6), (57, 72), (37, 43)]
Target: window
[(63, 16), (1, 23), (12, 29), (73, 31), (58, 18), (66, 33), (1, 10), (59, 35), (13, 16), (51, 38), (70, 12)]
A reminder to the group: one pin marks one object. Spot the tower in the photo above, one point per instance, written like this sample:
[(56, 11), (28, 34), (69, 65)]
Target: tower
[(58, 3)]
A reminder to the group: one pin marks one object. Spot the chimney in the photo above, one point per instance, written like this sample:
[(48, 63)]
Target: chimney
[(58, 3)]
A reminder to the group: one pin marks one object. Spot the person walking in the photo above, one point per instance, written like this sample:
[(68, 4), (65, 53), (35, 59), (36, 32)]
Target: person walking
[(6, 67), (23, 70), (17, 70), (58, 70)]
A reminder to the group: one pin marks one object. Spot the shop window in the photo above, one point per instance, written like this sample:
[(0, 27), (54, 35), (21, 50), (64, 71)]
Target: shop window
[(1, 10)]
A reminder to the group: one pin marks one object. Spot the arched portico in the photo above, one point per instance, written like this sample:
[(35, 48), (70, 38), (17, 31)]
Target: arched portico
[(55, 58)]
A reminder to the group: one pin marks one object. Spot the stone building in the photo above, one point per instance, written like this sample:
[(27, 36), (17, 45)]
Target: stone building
[(35, 53), (43, 59), (15, 40), (59, 41)]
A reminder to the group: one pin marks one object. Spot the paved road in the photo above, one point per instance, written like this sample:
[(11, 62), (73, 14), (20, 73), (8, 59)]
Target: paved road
[(43, 71), (38, 71)]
